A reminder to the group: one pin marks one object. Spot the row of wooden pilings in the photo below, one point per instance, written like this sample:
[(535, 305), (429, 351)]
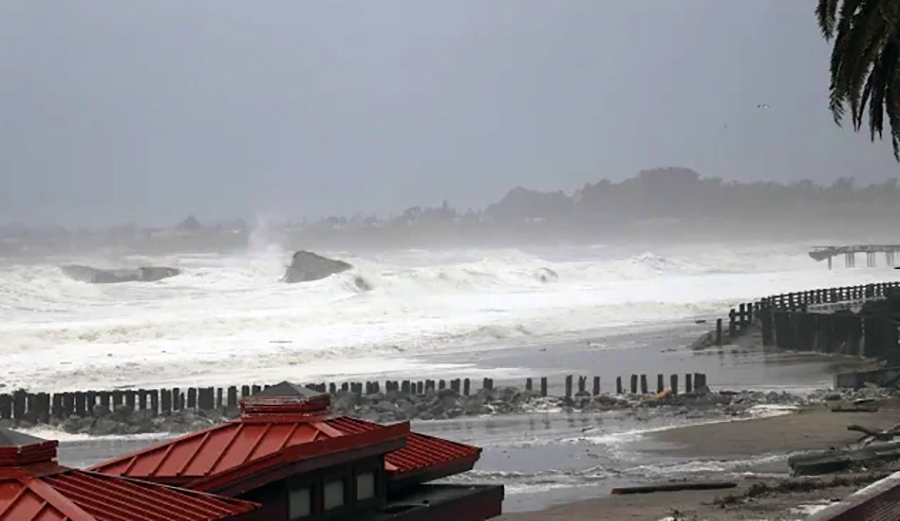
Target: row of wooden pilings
[(741, 317), (40, 407)]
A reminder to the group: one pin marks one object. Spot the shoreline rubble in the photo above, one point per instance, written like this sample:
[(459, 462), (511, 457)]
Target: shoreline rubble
[(445, 404)]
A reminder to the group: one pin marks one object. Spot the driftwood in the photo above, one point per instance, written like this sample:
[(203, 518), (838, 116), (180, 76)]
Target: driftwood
[(887, 435), (855, 408), (674, 487), (826, 462)]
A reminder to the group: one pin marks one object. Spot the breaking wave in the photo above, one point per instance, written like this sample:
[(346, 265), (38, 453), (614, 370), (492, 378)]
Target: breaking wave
[(231, 313)]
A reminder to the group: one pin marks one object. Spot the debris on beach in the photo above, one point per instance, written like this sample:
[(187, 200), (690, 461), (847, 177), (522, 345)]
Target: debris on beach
[(674, 487), (874, 448)]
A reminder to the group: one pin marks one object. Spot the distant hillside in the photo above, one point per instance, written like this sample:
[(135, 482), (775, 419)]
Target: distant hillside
[(662, 204)]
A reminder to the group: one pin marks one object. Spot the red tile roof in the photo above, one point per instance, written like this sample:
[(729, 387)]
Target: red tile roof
[(422, 452), (75, 495), (286, 424), (34, 487), (88, 496), (238, 444)]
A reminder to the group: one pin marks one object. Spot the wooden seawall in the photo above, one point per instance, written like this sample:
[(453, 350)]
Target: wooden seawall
[(40, 407), (820, 321)]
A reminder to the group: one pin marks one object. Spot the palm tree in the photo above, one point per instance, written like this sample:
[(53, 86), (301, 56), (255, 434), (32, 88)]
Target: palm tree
[(865, 62)]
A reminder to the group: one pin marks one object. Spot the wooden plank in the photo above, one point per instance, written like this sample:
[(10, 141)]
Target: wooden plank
[(674, 487)]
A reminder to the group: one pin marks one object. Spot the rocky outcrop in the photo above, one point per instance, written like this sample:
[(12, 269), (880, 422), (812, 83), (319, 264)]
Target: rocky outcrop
[(101, 276), (307, 266)]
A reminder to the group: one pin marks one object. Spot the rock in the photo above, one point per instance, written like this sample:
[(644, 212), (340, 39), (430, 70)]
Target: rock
[(546, 275), (307, 266), (105, 427), (100, 411), (101, 276), (473, 407), (362, 284), (121, 414)]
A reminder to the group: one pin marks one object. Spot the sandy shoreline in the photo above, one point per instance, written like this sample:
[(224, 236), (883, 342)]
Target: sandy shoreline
[(810, 428)]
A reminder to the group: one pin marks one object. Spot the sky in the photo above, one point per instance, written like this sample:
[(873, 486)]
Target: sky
[(151, 110)]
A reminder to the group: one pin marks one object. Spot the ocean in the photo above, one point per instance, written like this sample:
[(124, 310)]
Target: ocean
[(593, 310)]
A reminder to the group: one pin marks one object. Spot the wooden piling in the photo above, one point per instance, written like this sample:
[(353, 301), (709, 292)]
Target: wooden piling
[(232, 397), (543, 386), (643, 384), (56, 405), (206, 398), (699, 381), (719, 332), (130, 399), (255, 389), (68, 404), (116, 399), (619, 389), (5, 406), (19, 404), (660, 383), (420, 387), (91, 398), (528, 384), (104, 400), (596, 390), (30, 402), (768, 328), (466, 387), (732, 324), (634, 384), (688, 383), (165, 401), (176, 398), (142, 399), (582, 384), (80, 404), (673, 383), (569, 387), (154, 401)]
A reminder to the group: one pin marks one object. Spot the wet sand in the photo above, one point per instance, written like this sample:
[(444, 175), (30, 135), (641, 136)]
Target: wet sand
[(813, 428)]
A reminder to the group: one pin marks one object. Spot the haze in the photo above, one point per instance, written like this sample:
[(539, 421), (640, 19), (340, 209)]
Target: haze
[(145, 112)]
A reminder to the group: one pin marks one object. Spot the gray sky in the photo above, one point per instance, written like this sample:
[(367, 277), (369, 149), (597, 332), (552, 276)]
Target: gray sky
[(148, 111)]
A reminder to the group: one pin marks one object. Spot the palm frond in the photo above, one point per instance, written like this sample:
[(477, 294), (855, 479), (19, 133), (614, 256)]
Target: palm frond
[(826, 13)]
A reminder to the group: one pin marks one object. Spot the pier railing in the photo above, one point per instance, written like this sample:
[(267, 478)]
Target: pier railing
[(41, 407)]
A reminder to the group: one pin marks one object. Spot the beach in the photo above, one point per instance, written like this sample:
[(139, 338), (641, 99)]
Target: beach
[(813, 428)]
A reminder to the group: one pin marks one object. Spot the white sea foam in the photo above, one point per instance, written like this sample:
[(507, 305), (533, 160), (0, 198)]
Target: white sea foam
[(228, 319), (62, 436), (623, 437)]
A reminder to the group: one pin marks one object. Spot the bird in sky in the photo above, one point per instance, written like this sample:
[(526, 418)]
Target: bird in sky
[(762, 106)]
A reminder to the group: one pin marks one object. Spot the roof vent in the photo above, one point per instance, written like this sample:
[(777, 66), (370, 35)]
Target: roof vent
[(286, 398)]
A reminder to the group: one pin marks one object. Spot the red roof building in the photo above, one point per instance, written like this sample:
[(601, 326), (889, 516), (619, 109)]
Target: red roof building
[(33, 487), (290, 453)]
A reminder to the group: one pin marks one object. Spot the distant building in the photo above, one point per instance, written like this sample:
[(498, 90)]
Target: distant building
[(289, 453)]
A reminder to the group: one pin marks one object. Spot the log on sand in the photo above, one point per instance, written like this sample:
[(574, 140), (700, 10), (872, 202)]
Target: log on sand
[(674, 487)]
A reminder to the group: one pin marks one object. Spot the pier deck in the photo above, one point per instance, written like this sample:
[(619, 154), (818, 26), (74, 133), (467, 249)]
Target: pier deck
[(820, 253)]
